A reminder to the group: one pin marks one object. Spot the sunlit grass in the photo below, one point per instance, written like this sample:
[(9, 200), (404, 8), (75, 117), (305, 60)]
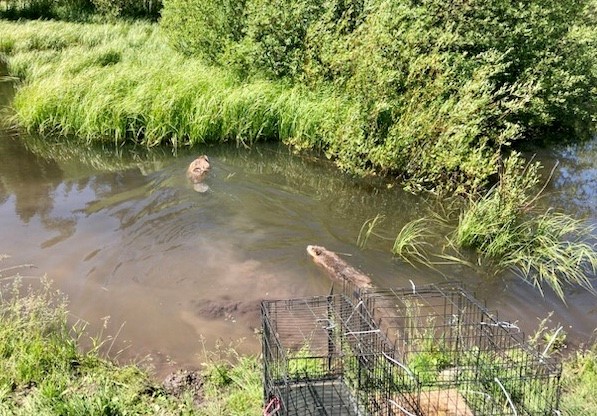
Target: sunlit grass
[(579, 383), (508, 230), (121, 82), (410, 244)]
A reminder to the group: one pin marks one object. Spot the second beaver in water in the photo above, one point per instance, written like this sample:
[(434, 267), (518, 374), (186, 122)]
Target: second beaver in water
[(197, 171)]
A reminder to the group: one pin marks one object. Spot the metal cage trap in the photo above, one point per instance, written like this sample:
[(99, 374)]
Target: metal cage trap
[(428, 351)]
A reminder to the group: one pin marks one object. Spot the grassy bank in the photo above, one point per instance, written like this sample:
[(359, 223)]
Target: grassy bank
[(44, 370), (122, 82), (387, 88), (579, 383), (79, 9), (444, 89)]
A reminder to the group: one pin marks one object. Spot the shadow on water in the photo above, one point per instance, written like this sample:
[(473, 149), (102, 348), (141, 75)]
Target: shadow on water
[(124, 235)]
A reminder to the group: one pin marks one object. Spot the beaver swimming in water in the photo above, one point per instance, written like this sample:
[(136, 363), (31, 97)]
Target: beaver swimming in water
[(197, 171), (337, 268)]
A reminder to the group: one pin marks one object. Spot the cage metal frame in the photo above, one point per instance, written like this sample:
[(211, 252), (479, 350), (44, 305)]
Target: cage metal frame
[(420, 351), (322, 356), (457, 357)]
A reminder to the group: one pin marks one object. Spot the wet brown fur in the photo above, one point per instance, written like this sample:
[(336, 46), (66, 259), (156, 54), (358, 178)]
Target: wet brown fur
[(337, 268), (198, 169)]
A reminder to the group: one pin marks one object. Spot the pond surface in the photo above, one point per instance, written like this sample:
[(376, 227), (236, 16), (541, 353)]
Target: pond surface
[(124, 235)]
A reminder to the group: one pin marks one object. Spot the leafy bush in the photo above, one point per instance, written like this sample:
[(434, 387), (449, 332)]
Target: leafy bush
[(442, 87), (46, 9), (276, 32), (204, 27), (79, 9), (128, 8)]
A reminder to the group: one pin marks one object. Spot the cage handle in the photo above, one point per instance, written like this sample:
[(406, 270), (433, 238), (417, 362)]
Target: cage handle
[(272, 407)]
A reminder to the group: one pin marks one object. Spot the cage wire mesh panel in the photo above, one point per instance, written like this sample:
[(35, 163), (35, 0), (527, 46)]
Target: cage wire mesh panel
[(455, 358), (426, 351), (322, 356)]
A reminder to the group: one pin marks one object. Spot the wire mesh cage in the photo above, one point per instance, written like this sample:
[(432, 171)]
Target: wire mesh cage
[(454, 357), (322, 356), (428, 351)]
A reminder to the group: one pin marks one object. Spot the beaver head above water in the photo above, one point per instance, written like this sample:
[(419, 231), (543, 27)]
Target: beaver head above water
[(198, 169)]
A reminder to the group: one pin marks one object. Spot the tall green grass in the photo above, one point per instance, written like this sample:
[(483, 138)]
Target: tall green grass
[(506, 227), (121, 82), (579, 382), (43, 371), (79, 9), (410, 243)]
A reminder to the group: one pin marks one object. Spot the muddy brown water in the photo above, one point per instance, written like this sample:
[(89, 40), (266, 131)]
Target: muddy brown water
[(172, 272)]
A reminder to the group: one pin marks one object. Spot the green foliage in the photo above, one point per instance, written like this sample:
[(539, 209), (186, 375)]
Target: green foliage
[(79, 9), (44, 371), (427, 365), (367, 230), (276, 32), (441, 88), (233, 383), (488, 223), (305, 364), (120, 82), (544, 247), (203, 27), (127, 8), (579, 383), (410, 242)]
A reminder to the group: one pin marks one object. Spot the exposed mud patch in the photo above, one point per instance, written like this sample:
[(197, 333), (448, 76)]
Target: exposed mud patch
[(182, 381), (216, 309)]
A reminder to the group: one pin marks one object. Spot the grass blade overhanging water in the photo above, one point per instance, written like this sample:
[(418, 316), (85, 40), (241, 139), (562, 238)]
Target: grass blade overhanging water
[(410, 244), (506, 228)]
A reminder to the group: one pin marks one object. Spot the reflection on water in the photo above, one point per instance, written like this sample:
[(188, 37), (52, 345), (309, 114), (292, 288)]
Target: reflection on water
[(575, 184), (124, 235)]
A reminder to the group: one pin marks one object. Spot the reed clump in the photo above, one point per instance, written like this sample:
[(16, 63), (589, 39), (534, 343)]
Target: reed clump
[(411, 243), (507, 228)]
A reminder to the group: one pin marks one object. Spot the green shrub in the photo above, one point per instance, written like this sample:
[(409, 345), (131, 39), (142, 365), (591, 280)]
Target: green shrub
[(206, 28), (128, 8), (276, 30), (45, 9), (79, 9), (442, 88)]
